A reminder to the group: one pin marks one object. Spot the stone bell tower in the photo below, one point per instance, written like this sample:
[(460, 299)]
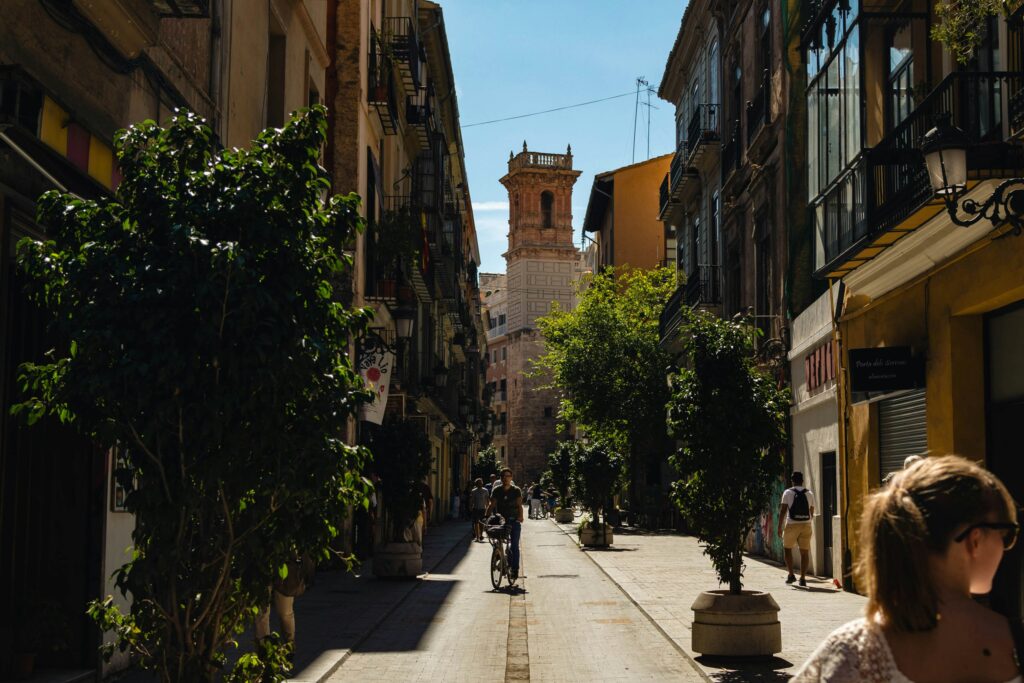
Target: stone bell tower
[(540, 264)]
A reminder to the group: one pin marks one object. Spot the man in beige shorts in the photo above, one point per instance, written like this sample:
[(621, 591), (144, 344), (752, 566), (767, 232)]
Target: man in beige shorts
[(795, 515)]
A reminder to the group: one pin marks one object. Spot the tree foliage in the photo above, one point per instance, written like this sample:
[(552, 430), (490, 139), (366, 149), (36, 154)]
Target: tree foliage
[(963, 24), (604, 356), (731, 419), (486, 464), (597, 473), (402, 458), (206, 342), (560, 468)]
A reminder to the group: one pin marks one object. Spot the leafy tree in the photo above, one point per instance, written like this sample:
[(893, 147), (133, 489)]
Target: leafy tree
[(560, 467), (731, 419), (604, 356), (963, 24), (597, 474), (486, 464), (206, 341), (402, 458)]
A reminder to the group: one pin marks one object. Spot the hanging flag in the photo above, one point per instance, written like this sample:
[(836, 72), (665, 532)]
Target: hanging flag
[(375, 365)]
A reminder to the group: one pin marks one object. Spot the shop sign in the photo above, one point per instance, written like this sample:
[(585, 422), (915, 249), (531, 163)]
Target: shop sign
[(376, 363), (885, 370)]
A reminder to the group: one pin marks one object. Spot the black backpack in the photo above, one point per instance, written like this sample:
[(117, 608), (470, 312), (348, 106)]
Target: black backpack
[(799, 511)]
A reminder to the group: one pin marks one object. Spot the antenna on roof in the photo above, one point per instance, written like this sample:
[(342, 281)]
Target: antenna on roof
[(640, 81)]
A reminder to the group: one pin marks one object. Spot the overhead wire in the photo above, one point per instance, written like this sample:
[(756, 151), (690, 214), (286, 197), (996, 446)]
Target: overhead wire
[(548, 111)]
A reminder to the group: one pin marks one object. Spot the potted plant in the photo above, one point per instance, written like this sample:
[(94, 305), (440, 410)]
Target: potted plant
[(401, 458), (730, 419), (397, 244), (597, 474), (560, 469)]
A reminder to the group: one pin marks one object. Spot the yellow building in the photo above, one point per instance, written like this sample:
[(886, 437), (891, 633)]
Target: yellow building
[(623, 215), (936, 304)]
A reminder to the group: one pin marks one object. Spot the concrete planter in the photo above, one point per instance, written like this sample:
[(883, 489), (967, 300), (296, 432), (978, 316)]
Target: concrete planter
[(397, 560), (736, 625), (594, 538), (563, 515)]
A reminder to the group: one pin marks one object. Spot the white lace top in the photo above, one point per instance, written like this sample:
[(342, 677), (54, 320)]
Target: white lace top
[(856, 652)]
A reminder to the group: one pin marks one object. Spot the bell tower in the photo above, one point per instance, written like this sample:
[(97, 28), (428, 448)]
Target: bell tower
[(540, 266)]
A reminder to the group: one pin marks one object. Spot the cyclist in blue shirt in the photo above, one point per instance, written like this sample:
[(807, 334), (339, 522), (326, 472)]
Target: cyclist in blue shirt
[(507, 500)]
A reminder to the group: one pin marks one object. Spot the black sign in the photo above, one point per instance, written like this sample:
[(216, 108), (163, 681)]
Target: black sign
[(885, 370)]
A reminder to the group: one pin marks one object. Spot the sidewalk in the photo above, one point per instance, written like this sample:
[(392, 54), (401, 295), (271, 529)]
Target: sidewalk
[(341, 609), (663, 572)]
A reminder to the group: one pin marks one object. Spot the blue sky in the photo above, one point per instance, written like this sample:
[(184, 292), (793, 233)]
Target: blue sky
[(514, 57)]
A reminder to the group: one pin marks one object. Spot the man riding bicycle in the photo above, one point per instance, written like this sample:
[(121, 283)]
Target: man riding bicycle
[(507, 499)]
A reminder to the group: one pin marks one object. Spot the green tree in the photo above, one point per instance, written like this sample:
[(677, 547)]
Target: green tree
[(963, 24), (402, 458), (206, 341), (605, 358), (486, 464), (731, 419), (560, 467), (597, 473)]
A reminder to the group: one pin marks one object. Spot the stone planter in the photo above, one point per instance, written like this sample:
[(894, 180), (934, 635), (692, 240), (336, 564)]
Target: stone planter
[(594, 538), (564, 515), (397, 560), (736, 625)]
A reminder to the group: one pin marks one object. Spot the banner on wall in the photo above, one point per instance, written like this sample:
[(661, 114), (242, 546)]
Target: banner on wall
[(376, 362)]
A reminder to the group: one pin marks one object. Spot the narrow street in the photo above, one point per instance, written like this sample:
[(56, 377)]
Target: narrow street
[(570, 623)]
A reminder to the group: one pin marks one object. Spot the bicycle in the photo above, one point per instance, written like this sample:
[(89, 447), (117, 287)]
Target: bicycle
[(499, 533)]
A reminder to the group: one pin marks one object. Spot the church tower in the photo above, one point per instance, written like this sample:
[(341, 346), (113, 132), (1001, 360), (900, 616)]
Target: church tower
[(540, 266)]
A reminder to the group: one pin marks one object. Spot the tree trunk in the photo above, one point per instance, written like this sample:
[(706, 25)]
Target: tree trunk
[(735, 580)]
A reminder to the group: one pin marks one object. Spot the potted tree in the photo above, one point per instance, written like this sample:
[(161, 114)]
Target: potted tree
[(730, 418), (560, 469), (401, 458), (597, 474)]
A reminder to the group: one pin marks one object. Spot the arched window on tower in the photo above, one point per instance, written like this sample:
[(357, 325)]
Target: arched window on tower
[(547, 202)]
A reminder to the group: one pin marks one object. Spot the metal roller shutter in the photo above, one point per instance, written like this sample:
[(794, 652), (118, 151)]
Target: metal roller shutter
[(902, 430)]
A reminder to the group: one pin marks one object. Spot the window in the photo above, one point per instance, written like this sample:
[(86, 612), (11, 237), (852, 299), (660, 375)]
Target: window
[(713, 94), (275, 105), (547, 202), (504, 353), (763, 266), (901, 75), (501, 319), (766, 41), (547, 411), (734, 280)]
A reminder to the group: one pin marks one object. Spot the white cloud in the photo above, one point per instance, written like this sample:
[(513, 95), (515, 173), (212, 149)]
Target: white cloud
[(490, 206)]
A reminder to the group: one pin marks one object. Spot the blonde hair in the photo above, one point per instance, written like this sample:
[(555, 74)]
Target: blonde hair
[(912, 518)]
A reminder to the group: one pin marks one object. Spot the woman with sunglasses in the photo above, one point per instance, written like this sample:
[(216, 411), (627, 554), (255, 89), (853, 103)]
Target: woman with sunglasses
[(929, 541)]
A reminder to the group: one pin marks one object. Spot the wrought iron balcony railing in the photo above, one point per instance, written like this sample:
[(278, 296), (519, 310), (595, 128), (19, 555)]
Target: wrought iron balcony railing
[(404, 44), (758, 114), (381, 93), (704, 127), (704, 286)]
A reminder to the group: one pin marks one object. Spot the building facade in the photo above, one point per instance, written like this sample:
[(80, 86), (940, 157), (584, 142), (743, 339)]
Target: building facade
[(941, 301), (540, 266), (396, 141), (622, 214), (71, 75)]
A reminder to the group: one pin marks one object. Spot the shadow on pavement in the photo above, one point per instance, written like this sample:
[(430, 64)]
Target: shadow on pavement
[(746, 670)]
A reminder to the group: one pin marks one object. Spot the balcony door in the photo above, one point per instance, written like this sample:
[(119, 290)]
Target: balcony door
[(981, 109), (901, 75)]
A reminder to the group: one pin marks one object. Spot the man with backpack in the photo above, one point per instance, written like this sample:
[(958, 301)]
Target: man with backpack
[(795, 515)]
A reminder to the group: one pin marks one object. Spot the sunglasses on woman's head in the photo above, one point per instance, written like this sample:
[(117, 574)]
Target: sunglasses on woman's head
[(1009, 529)]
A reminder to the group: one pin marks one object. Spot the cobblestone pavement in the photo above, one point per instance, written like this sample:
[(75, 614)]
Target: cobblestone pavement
[(663, 573), (569, 623)]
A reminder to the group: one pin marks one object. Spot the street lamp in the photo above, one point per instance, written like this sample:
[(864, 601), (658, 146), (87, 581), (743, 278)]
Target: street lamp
[(945, 156), (404, 317)]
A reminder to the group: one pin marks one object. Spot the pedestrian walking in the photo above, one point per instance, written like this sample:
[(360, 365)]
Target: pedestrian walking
[(536, 494), (283, 594), (795, 515), (930, 540), (491, 483), (478, 498)]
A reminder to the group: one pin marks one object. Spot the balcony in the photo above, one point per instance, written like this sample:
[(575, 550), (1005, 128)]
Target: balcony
[(542, 160), (663, 197), (679, 179), (380, 90), (878, 199), (404, 44), (704, 287), (419, 115), (672, 316), (497, 331), (703, 133)]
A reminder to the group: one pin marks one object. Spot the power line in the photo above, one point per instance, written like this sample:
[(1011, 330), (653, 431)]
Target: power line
[(548, 111)]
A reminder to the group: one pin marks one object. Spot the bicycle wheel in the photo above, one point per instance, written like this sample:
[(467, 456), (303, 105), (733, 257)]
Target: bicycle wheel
[(497, 567)]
